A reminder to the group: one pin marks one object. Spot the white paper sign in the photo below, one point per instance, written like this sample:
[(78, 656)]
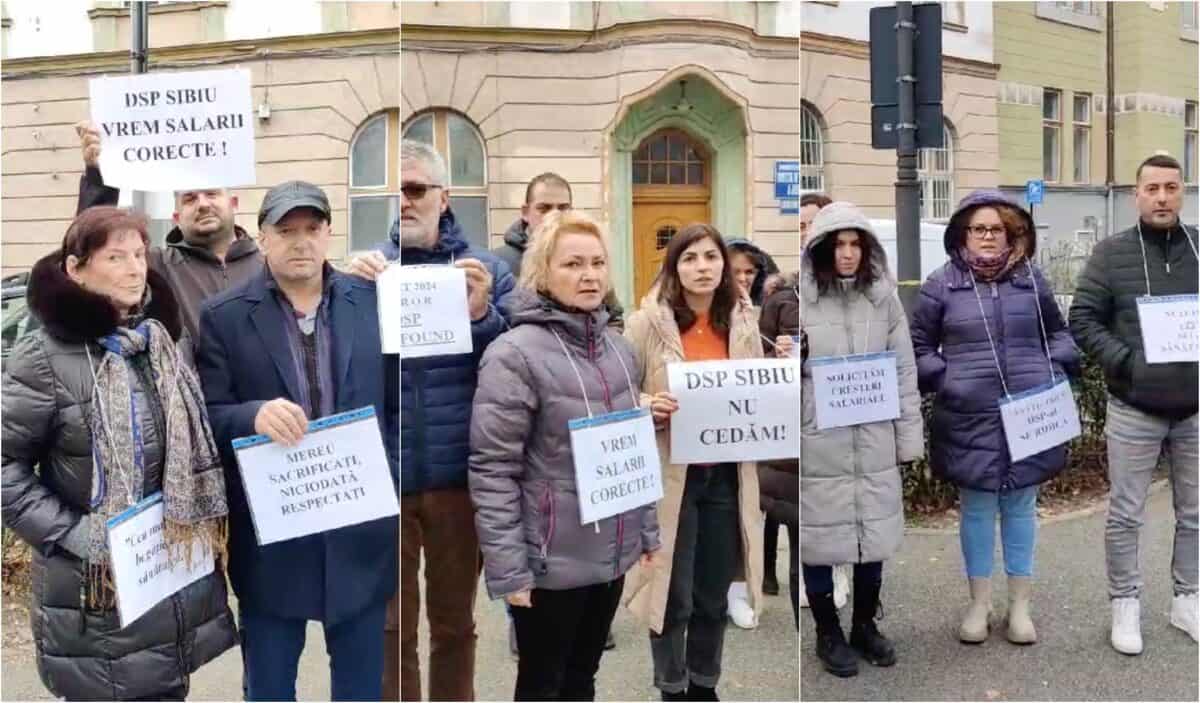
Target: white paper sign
[(336, 476), (175, 131), (1169, 328), (141, 570), (1040, 418), (616, 463), (855, 389), (747, 410), (423, 311)]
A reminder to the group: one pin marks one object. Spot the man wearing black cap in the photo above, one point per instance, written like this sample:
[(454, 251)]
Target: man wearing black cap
[(295, 343)]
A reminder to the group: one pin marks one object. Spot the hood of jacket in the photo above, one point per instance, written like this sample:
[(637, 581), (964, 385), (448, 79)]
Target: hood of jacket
[(529, 308), (956, 229), (243, 245), (75, 315), (451, 244), (517, 235), (828, 221), (762, 260)]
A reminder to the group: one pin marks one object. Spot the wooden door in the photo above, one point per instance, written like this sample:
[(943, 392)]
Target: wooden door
[(654, 223)]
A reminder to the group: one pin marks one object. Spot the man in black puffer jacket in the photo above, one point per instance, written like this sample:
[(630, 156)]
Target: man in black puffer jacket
[(1152, 406)]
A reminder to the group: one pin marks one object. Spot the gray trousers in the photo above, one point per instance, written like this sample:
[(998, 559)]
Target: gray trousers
[(1135, 442)]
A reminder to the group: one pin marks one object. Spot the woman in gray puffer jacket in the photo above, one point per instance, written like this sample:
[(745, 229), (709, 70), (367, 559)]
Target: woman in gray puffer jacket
[(558, 363), (100, 411)]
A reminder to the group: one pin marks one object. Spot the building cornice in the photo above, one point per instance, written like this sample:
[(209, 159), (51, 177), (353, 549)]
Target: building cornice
[(856, 48), (424, 36), (250, 49), (156, 9)]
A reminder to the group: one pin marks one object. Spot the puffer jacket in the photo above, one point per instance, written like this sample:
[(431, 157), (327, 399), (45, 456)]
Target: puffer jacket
[(522, 474), (436, 392), (47, 484), (851, 508), (954, 359), (780, 480), (1104, 316)]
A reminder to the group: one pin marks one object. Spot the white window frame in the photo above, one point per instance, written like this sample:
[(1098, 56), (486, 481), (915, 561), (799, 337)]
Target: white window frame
[(954, 13), (1189, 18), (929, 178), (1190, 133), (441, 144), (1089, 16), (386, 146), (811, 146), (1081, 127), (1055, 123), (354, 192)]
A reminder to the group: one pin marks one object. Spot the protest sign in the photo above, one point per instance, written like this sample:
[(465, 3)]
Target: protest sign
[(141, 568), (747, 410), (1040, 418), (175, 131), (338, 475), (1169, 331), (855, 389), (423, 311), (616, 463)]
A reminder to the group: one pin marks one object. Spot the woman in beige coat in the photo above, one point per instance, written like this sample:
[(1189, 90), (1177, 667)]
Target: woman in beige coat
[(709, 515)]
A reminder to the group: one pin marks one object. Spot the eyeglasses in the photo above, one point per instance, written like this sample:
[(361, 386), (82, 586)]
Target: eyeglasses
[(978, 231), (416, 191)]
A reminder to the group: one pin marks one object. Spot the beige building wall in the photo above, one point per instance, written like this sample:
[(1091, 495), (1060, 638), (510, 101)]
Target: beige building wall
[(317, 104), (836, 81), (552, 111)]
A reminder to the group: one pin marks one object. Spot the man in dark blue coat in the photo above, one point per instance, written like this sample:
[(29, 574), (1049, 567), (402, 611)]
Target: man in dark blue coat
[(436, 514), (298, 342)]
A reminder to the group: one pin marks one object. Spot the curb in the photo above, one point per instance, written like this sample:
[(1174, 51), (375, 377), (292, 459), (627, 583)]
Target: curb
[(1156, 486)]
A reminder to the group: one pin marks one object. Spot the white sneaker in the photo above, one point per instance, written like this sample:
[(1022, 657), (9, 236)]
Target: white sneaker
[(1127, 625), (740, 611), (841, 584), (1184, 612)]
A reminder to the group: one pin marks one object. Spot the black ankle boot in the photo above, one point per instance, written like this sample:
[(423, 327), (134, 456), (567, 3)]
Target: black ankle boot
[(839, 659), (864, 636), (668, 696), (701, 693)]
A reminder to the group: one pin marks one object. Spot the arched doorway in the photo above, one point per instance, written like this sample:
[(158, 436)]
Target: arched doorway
[(670, 191)]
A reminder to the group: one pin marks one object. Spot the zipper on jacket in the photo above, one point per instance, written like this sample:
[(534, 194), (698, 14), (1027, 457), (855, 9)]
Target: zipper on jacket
[(417, 374), (1167, 253), (83, 588), (1002, 353), (591, 347)]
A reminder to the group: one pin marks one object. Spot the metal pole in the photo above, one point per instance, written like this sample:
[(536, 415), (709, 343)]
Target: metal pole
[(908, 203), (138, 52)]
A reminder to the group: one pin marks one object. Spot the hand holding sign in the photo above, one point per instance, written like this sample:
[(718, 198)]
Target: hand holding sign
[(281, 420), (89, 143), (784, 346), (662, 404), (479, 287)]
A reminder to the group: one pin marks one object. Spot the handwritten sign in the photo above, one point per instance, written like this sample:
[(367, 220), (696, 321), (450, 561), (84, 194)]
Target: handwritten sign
[(856, 389), (423, 311), (1039, 418), (175, 131), (1169, 328), (142, 572), (746, 410), (337, 476), (616, 463)]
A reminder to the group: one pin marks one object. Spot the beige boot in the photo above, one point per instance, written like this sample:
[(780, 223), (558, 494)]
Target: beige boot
[(1020, 625), (974, 627)]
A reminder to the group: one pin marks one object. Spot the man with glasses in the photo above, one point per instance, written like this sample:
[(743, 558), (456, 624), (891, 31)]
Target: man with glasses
[(436, 515)]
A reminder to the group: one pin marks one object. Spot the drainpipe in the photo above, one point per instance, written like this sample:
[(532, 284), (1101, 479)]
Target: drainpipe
[(1110, 124)]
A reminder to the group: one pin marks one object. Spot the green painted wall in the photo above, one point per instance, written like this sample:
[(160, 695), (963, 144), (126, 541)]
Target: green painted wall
[(718, 123)]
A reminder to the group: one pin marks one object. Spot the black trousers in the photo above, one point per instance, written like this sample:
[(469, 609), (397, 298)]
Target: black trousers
[(561, 639)]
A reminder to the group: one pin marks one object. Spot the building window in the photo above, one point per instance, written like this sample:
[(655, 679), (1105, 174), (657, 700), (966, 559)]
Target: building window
[(1189, 19), (374, 180), (812, 151), (1189, 142), (1086, 15), (954, 13), (1051, 129), (935, 169), (1082, 122), (668, 158), (662, 238), (460, 144)]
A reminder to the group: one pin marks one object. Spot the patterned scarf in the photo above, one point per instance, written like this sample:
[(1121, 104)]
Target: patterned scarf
[(193, 482), (989, 267)]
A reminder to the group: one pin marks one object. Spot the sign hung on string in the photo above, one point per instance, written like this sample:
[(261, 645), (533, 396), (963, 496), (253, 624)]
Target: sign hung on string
[(1169, 328), (617, 465), (855, 389), (423, 311), (175, 131), (1039, 419)]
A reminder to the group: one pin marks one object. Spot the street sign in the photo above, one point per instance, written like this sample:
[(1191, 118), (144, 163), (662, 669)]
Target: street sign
[(927, 62), (789, 207), (1034, 190), (787, 180)]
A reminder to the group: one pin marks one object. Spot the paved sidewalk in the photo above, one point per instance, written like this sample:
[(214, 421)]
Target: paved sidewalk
[(925, 593)]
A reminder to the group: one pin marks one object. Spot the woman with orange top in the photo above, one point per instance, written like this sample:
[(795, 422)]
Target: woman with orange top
[(709, 515)]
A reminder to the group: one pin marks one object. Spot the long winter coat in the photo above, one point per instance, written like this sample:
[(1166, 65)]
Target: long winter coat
[(954, 360), (851, 507), (1104, 316), (47, 484), (655, 337), (522, 473)]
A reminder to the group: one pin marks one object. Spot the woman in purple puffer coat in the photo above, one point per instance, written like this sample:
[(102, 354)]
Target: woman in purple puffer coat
[(987, 326)]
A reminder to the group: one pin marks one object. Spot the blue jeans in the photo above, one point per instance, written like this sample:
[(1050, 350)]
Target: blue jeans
[(1018, 530), (271, 648)]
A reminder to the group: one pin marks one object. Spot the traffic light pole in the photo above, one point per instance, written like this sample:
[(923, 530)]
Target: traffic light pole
[(138, 52), (908, 203)]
